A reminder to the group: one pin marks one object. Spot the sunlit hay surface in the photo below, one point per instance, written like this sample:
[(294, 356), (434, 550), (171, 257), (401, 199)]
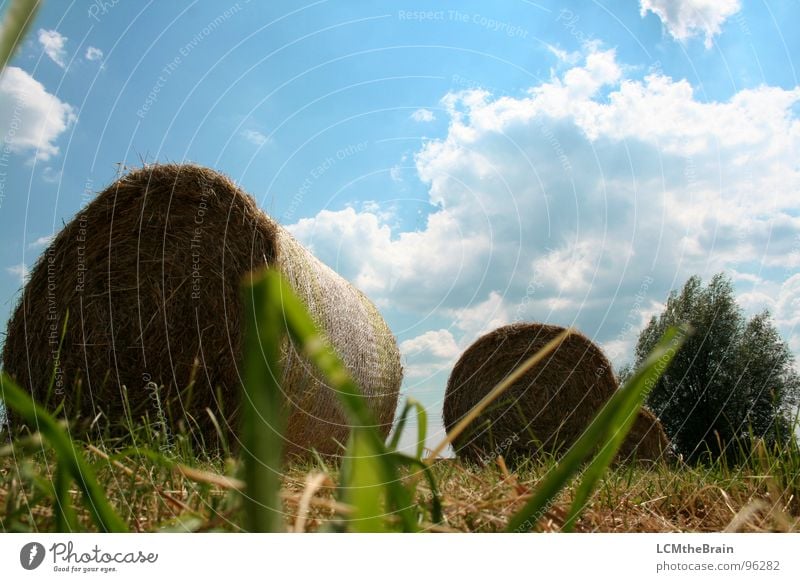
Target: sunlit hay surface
[(150, 274), (548, 408)]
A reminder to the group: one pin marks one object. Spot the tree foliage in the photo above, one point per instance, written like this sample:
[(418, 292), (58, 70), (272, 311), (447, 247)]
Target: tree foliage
[(733, 381)]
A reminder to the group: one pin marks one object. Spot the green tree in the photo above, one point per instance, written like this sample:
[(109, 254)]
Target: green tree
[(734, 379)]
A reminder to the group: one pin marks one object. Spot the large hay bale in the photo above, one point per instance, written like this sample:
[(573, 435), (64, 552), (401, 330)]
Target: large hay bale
[(548, 408), (150, 273)]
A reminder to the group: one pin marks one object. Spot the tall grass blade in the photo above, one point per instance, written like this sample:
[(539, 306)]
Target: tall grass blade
[(418, 463), (422, 426), (609, 429), (263, 408), (19, 16), (69, 457), (362, 484), (629, 400), (312, 344), (66, 520)]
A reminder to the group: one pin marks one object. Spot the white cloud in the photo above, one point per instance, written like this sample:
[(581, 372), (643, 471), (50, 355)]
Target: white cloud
[(423, 115), (570, 268), (31, 119), (255, 137), (787, 306), (396, 173), (93, 54), (782, 299), (42, 241), (51, 175), (20, 272), (563, 56), (684, 19), (54, 45), (429, 353), (480, 318), (439, 343), (415, 265), (558, 205)]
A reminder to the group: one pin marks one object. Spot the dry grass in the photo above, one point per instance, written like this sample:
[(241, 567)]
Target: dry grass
[(152, 497)]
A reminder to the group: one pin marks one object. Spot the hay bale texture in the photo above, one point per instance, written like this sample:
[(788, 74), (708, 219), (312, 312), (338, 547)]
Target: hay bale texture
[(646, 440), (150, 272), (548, 408)]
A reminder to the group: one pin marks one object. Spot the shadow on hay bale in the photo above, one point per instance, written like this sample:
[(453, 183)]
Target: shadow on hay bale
[(548, 409), (646, 440), (150, 273)]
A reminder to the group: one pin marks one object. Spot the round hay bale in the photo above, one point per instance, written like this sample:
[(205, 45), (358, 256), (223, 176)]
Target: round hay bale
[(646, 440), (150, 273), (547, 409)]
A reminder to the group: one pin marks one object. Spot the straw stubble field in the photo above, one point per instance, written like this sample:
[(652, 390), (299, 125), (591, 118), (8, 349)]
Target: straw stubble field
[(474, 498)]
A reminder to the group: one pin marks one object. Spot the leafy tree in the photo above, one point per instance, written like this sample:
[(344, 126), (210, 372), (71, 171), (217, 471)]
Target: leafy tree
[(734, 379)]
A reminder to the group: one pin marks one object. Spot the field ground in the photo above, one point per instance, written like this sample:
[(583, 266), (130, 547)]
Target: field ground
[(153, 495)]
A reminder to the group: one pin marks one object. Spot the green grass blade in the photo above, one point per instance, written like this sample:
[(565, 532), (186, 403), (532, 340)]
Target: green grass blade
[(422, 425), (69, 457), (263, 407), (313, 345), (363, 484), (401, 425), (19, 16), (422, 428), (66, 520), (607, 428), (436, 501), (625, 407)]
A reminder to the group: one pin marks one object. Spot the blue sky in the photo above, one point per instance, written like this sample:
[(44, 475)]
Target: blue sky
[(467, 165)]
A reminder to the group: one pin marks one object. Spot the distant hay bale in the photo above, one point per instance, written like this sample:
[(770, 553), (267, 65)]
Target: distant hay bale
[(545, 411), (646, 440), (150, 273)]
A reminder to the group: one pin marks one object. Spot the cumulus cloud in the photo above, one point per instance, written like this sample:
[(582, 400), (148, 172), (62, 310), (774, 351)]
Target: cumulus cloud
[(255, 137), (482, 317), (40, 242), (782, 299), (431, 352), (31, 119), (423, 115), (51, 175), (396, 173), (684, 19), (582, 202), (54, 46), (93, 54), (415, 265), (20, 272), (568, 57)]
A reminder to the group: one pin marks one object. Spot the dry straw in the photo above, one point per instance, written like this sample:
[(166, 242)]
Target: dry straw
[(547, 408), (149, 272)]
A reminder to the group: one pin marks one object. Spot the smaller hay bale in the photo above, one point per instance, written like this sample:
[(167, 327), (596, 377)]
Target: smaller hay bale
[(548, 408), (646, 440)]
